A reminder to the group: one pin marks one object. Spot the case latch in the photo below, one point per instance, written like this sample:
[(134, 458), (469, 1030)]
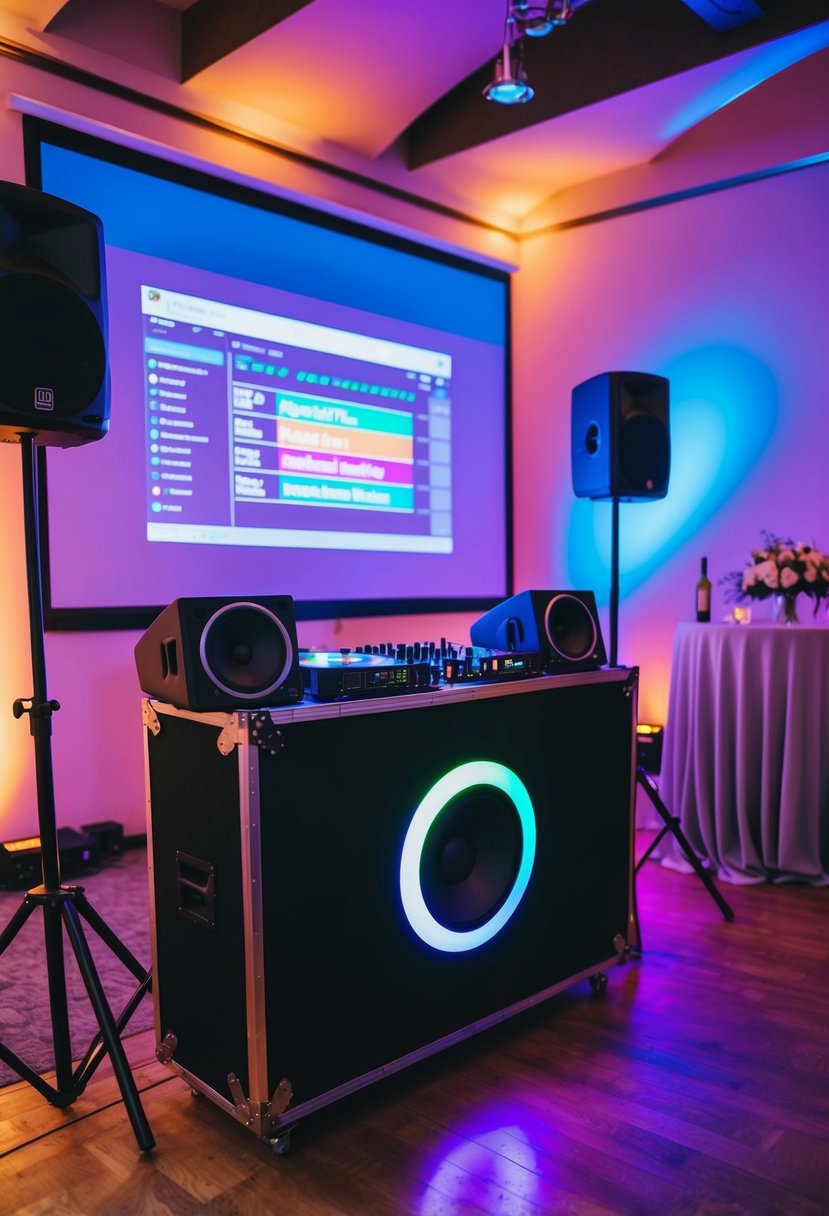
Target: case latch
[(266, 734), (150, 717), (165, 1050), (228, 737)]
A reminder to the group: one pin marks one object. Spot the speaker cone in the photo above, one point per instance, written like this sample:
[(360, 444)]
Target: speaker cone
[(570, 628), (55, 346), (246, 651), (470, 858), (467, 856)]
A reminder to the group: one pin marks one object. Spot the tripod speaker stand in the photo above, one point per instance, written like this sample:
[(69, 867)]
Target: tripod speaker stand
[(65, 907), (620, 450), (670, 823)]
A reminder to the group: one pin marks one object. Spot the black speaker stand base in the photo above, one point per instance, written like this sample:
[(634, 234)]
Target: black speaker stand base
[(671, 824), (63, 909)]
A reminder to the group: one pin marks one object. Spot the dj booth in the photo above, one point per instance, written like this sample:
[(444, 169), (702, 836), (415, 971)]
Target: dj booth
[(341, 889)]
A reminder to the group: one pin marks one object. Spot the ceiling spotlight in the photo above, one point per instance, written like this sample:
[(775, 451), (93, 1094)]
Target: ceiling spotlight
[(510, 87), (538, 20)]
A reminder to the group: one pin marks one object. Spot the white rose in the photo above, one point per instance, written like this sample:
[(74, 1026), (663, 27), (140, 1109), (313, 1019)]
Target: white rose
[(810, 574), (749, 577), (785, 555), (788, 577)]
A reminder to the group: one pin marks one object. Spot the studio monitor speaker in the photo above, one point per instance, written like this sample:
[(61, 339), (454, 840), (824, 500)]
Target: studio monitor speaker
[(212, 652), (620, 439), (563, 626), (54, 383)]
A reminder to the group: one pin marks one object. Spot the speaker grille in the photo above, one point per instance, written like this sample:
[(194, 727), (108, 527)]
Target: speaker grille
[(644, 455), (53, 355), (246, 651)]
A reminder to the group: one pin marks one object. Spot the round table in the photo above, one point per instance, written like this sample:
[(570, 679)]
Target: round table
[(746, 752)]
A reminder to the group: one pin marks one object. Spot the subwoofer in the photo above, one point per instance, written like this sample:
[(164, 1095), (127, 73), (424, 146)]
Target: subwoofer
[(54, 382), (212, 652), (341, 890), (563, 626), (620, 440)]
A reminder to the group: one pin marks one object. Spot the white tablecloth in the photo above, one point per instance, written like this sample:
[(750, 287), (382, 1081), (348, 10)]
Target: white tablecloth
[(746, 751)]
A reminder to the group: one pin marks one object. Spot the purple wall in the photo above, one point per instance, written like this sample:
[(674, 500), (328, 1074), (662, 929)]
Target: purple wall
[(725, 294)]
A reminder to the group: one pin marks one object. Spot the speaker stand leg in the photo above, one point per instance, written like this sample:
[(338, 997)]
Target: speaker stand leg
[(63, 907), (97, 1048), (614, 583), (671, 824)]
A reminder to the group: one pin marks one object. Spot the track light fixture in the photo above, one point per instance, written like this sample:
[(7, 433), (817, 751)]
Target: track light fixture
[(510, 85), (538, 20)]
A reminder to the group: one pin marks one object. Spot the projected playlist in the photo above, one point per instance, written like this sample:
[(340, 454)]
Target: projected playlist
[(339, 455), (271, 431)]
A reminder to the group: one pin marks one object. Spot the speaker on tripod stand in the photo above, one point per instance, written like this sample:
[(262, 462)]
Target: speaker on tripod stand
[(55, 391), (621, 451)]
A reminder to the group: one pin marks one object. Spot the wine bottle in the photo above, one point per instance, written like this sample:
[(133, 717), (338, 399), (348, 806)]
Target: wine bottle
[(704, 593)]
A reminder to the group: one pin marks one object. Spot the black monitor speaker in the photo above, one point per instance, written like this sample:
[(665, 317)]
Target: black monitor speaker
[(620, 438), (563, 626), (213, 652), (55, 381)]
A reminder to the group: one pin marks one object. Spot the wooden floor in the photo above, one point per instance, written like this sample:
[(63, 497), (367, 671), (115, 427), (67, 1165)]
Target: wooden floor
[(696, 1085)]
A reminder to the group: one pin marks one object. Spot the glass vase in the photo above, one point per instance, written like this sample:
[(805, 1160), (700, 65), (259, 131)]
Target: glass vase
[(784, 611)]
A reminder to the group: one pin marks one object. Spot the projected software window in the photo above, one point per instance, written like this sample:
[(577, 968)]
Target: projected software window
[(265, 430)]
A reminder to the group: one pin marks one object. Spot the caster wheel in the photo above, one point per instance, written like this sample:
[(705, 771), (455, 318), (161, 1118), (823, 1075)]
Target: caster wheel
[(598, 982)]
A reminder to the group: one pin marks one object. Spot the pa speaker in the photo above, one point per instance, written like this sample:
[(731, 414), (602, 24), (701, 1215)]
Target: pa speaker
[(217, 653), (385, 881), (620, 439), (55, 381), (563, 626)]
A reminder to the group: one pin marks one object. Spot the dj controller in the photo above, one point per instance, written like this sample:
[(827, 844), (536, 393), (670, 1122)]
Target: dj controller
[(388, 668)]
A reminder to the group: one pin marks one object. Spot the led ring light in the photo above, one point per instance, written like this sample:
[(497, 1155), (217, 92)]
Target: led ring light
[(464, 777)]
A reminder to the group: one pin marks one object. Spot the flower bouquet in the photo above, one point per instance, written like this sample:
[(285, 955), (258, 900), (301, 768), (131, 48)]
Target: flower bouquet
[(782, 569)]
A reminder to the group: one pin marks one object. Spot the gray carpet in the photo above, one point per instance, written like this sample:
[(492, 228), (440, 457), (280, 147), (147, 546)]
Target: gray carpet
[(119, 893)]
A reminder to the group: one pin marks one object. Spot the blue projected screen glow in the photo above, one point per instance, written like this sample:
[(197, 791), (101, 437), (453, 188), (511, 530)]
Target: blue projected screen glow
[(299, 405)]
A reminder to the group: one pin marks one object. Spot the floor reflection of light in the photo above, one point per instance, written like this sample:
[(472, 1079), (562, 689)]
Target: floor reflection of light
[(501, 1159)]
